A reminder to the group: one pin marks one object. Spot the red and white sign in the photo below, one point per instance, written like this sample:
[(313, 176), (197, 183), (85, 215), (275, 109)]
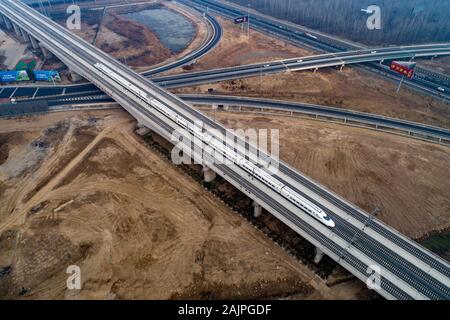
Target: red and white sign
[(404, 68)]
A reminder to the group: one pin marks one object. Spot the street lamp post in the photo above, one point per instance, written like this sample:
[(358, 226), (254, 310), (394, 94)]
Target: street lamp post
[(367, 223)]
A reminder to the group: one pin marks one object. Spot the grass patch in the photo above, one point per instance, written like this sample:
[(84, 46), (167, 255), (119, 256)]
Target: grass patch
[(439, 244)]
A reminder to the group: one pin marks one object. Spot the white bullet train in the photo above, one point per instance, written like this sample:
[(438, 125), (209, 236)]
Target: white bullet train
[(227, 152)]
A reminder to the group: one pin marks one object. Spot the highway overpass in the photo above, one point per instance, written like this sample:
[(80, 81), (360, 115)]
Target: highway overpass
[(407, 270), (239, 72)]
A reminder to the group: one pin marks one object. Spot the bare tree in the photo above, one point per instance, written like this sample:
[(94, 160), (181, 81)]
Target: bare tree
[(403, 21)]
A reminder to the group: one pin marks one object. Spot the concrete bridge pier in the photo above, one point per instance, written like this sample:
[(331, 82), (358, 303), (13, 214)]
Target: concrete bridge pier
[(17, 30), (2, 20), (257, 209), (319, 255), (208, 174), (34, 42), (8, 23), (142, 129), (75, 76), (25, 35), (46, 52)]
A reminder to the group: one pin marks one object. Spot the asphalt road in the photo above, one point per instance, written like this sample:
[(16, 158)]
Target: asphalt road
[(252, 70)]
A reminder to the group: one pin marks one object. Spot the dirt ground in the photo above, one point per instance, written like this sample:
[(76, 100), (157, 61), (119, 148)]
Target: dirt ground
[(409, 179), (441, 64), (82, 189), (236, 48), (131, 42), (11, 51), (127, 41)]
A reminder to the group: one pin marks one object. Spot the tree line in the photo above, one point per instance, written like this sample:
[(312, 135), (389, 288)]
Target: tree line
[(402, 21)]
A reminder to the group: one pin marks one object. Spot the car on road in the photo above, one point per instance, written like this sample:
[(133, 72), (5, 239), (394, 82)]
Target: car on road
[(441, 89)]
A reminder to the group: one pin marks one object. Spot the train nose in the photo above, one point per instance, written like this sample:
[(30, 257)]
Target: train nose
[(331, 224)]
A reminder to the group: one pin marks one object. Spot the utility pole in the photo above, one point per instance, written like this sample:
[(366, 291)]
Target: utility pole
[(248, 21), (367, 223), (372, 215), (400, 84), (214, 107), (44, 11), (260, 79)]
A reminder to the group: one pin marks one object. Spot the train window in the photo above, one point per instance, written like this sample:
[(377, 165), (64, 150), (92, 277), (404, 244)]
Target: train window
[(327, 218)]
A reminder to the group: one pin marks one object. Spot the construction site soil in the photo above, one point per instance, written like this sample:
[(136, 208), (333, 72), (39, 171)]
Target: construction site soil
[(407, 178), (83, 189)]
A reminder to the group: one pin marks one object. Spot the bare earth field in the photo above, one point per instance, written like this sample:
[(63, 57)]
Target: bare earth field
[(131, 42), (11, 52), (441, 64), (407, 178), (82, 189), (127, 41), (236, 48)]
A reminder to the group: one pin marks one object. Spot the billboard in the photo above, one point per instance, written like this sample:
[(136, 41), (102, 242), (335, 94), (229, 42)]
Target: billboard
[(404, 68), (46, 75), (14, 76), (242, 19)]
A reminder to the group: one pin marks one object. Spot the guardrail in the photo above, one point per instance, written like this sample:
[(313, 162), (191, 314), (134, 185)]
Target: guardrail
[(294, 109), (326, 113)]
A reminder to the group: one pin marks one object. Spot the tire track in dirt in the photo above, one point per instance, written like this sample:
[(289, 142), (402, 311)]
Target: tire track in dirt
[(17, 216)]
